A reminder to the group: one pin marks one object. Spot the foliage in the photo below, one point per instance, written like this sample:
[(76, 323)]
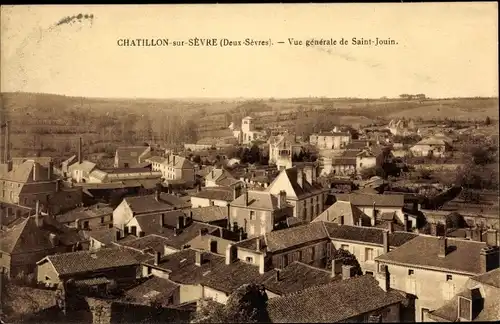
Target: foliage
[(425, 173), (473, 176), (455, 220), (372, 172), (248, 304), (481, 154), (347, 258), (487, 121), (407, 140)]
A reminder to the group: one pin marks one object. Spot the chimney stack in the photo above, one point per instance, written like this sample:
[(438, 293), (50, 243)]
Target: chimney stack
[(257, 243), (434, 229), (245, 195), (443, 246), (336, 267), (347, 271), (230, 254), (492, 237), (241, 234), (80, 158), (157, 258), (278, 274), (385, 235), (35, 171), (38, 217), (157, 194), (384, 279), (300, 178), (198, 258), (50, 170), (405, 221), (489, 258)]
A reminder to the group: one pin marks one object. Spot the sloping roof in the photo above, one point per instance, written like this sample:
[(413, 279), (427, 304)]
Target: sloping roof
[(155, 242), (228, 278), (432, 141), (84, 213), (423, 252), (371, 235), (338, 301), (288, 237), (299, 191), (128, 152), (258, 200), (363, 199), (148, 203), (351, 213), (106, 236), (491, 278), (222, 177), (23, 172), (153, 289), (209, 214), (25, 236), (171, 160), (182, 268), (217, 193), (85, 166), (298, 276), (343, 161), (87, 261)]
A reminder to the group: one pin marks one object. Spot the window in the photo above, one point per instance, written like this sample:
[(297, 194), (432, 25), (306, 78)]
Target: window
[(449, 277), (368, 254), (344, 247), (150, 270), (213, 246), (86, 224), (249, 259), (369, 273), (252, 215), (410, 272), (102, 220), (47, 278)]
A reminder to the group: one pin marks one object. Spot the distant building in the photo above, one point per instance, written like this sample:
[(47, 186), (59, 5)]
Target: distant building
[(431, 146), (221, 178), (215, 196), (282, 149), (130, 156), (92, 217), (174, 167), (247, 133), (335, 139), (402, 127)]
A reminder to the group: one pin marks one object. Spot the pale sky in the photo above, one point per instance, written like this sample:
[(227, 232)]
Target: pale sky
[(444, 50)]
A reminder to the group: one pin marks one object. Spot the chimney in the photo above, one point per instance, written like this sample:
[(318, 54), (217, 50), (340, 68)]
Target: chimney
[(341, 220), (173, 158), (492, 237), (35, 172), (434, 229), (405, 221), (241, 234), (360, 221), (278, 274), (58, 185), (180, 222), (347, 271), (198, 258), (80, 158), (157, 194), (336, 267), (245, 194), (489, 258), (162, 220), (50, 170), (390, 226), (230, 254), (384, 279), (385, 236), (374, 220), (257, 243), (38, 217), (157, 258), (442, 246), (118, 235), (300, 177)]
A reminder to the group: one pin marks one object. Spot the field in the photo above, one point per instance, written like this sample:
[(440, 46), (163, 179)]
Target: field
[(46, 123)]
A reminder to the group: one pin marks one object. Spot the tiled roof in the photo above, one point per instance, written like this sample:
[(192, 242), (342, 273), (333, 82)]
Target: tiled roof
[(228, 278), (106, 236), (25, 236), (152, 241), (288, 237), (150, 224), (209, 214), (153, 289), (351, 213), (87, 261), (217, 193), (491, 278), (423, 252), (296, 277), (258, 200), (23, 172), (84, 213), (359, 199), (85, 166), (371, 235), (148, 204), (179, 162), (182, 268), (335, 302)]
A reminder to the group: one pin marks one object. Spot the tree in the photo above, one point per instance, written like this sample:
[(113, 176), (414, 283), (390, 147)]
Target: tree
[(425, 174), (487, 121), (480, 155), (248, 304), (455, 220), (347, 258), (373, 171)]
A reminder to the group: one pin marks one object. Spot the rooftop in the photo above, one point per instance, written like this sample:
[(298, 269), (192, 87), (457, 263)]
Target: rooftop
[(257, 200), (423, 250), (334, 302), (148, 203), (209, 214), (216, 193), (363, 199), (153, 289)]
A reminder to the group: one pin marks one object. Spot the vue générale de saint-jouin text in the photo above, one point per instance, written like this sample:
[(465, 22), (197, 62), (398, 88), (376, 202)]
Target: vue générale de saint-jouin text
[(226, 42)]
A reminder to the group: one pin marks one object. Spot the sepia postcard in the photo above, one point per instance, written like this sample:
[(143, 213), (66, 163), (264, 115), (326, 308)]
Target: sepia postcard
[(249, 163)]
